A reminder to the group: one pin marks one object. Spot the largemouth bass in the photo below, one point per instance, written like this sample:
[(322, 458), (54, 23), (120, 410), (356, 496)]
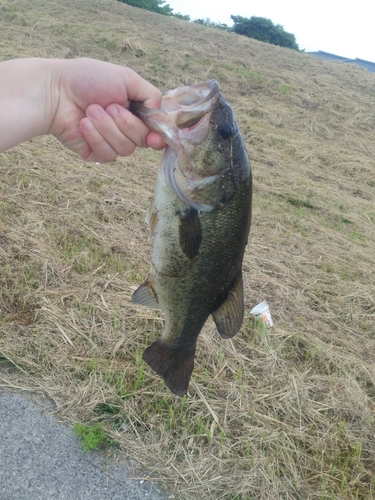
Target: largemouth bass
[(201, 220)]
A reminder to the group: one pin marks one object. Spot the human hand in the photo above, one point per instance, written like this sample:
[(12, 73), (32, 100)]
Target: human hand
[(91, 116)]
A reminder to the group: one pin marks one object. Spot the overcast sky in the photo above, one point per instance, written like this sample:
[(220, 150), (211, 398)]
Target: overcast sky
[(344, 29)]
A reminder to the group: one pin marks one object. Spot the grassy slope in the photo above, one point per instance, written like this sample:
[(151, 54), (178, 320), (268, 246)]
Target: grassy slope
[(284, 413)]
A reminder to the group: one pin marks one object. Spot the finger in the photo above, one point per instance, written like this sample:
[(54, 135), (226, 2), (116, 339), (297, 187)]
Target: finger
[(122, 140), (155, 141), (129, 125), (142, 90), (101, 151)]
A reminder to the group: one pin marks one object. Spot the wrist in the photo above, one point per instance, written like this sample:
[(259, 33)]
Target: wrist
[(29, 93)]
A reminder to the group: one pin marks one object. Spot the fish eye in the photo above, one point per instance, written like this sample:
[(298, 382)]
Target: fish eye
[(224, 131)]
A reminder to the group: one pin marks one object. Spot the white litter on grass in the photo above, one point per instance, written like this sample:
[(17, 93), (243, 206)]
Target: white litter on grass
[(262, 311)]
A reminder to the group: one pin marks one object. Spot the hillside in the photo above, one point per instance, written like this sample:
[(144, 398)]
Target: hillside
[(281, 413)]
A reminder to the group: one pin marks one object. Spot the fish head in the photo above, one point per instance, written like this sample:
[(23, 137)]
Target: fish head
[(209, 160)]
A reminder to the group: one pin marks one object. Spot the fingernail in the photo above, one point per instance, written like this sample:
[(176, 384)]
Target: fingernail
[(87, 125), (94, 111), (112, 110)]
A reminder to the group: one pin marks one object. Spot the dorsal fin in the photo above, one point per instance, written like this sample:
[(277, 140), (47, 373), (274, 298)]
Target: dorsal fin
[(229, 316), (146, 295)]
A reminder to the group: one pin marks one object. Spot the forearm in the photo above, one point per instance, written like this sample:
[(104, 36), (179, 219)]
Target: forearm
[(28, 99)]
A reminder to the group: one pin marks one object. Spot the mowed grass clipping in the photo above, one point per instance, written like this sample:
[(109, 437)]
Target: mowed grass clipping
[(281, 413)]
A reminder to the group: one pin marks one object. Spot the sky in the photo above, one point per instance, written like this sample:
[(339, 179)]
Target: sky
[(343, 28)]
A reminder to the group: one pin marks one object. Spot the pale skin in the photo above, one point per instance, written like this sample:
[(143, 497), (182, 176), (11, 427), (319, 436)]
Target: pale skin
[(82, 102)]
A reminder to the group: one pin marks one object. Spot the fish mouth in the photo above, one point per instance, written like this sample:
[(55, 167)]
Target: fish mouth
[(183, 121), (181, 109), (184, 98)]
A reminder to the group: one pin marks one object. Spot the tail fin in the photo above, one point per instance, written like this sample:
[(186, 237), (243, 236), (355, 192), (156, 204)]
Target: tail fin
[(174, 365)]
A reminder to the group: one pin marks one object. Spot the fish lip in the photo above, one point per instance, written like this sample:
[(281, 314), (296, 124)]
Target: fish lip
[(203, 92), (213, 87)]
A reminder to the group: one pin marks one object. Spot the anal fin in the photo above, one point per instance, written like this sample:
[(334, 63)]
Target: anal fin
[(229, 316), (175, 366), (146, 295)]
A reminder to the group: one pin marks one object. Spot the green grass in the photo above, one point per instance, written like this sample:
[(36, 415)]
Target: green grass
[(285, 89), (92, 436)]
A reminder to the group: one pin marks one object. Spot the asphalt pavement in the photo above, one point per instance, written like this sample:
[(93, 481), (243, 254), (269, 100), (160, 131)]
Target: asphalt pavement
[(41, 459)]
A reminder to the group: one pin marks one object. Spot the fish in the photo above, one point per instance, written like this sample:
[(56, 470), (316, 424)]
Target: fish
[(200, 220)]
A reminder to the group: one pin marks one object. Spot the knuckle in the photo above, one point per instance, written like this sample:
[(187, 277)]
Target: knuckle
[(125, 119), (127, 149)]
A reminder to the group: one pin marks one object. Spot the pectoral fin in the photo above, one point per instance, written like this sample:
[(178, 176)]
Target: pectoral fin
[(174, 365), (152, 219), (190, 233), (228, 317), (146, 295)]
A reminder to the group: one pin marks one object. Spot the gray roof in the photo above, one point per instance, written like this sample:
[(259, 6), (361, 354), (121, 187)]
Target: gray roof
[(370, 66)]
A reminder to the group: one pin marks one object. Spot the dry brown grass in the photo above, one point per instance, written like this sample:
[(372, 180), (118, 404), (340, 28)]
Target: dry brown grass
[(283, 413)]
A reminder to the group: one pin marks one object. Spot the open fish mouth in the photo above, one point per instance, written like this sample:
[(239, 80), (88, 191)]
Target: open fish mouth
[(184, 98), (184, 123), (182, 109)]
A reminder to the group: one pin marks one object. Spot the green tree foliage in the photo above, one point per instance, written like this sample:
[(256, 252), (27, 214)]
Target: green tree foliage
[(153, 5), (212, 24), (181, 16), (264, 30)]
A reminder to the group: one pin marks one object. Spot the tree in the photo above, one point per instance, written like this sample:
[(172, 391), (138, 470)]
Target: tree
[(184, 17), (153, 5), (264, 30), (211, 24)]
